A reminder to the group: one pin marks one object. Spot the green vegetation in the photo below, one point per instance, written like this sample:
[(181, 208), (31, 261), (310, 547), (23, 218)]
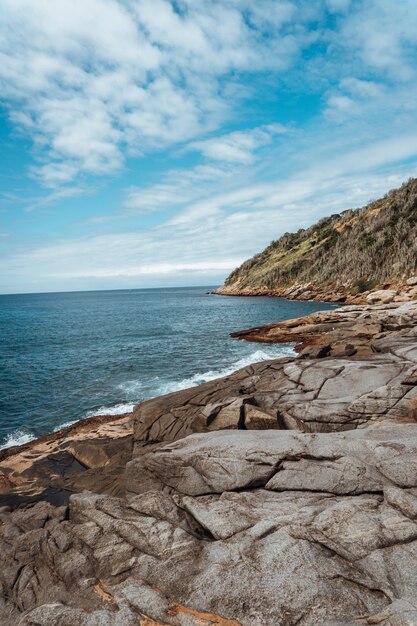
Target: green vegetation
[(363, 284), (359, 248), (366, 241)]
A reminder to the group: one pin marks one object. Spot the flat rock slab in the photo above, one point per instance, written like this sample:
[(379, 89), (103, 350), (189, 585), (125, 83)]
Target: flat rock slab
[(353, 462), (89, 454)]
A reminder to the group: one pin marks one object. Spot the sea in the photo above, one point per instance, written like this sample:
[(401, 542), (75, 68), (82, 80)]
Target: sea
[(67, 356)]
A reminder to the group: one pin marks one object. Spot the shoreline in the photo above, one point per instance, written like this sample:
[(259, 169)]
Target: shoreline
[(286, 294), (84, 423), (50, 467), (302, 332), (405, 291), (311, 336), (290, 457)]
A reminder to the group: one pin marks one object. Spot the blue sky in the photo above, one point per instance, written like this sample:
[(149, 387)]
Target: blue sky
[(154, 143)]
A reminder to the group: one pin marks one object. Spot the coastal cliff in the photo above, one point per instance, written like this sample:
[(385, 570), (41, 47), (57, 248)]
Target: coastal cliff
[(283, 494), (367, 252)]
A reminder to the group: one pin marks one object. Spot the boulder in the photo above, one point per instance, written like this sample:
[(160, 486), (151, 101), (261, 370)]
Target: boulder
[(384, 296)]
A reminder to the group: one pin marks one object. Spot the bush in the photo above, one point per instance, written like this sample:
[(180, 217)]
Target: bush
[(364, 284), (367, 241)]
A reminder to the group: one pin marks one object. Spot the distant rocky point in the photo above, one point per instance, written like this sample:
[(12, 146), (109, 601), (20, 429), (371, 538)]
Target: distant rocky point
[(367, 254)]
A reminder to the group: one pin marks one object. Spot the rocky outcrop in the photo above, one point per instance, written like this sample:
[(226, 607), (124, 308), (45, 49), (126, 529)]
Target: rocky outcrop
[(90, 454), (283, 494), (360, 255), (347, 331)]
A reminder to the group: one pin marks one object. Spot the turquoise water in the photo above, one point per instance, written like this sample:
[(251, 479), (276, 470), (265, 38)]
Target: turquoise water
[(65, 356)]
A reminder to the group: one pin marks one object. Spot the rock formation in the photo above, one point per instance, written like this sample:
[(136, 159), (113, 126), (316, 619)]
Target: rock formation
[(282, 495), (367, 254)]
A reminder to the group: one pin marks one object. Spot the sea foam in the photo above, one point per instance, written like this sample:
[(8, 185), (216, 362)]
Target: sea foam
[(21, 436), (17, 438), (192, 381)]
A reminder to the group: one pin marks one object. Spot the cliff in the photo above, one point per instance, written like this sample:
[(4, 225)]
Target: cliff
[(343, 257)]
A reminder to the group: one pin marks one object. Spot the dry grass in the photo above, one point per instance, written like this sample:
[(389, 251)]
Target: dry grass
[(376, 244)]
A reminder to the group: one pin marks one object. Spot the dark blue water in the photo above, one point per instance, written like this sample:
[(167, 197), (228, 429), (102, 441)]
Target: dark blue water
[(65, 356)]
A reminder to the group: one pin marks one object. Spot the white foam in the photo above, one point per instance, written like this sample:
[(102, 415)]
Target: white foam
[(64, 425), (117, 409), (130, 387), (199, 379), (21, 436), (17, 438)]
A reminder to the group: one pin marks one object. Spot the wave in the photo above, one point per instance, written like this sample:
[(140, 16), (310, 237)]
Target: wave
[(117, 409), (205, 377), (22, 436), (17, 438), (64, 425), (163, 388)]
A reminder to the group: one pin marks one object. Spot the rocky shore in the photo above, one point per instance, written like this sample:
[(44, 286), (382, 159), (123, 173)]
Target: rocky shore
[(284, 494), (398, 291), (358, 256)]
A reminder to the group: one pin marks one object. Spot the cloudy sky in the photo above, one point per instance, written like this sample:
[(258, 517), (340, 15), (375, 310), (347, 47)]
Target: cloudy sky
[(155, 142)]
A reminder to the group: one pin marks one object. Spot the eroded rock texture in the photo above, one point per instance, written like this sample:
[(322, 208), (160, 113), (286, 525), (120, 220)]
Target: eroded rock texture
[(284, 494), (91, 454)]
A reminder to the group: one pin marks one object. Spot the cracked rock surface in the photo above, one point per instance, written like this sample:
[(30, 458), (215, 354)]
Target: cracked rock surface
[(284, 494)]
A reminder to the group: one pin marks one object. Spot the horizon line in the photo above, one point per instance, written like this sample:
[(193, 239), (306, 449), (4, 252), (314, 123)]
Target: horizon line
[(38, 293)]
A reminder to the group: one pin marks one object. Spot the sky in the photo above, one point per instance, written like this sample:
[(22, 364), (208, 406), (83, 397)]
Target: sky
[(154, 143)]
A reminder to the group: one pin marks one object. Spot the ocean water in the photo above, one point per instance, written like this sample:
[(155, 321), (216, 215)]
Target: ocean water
[(65, 356)]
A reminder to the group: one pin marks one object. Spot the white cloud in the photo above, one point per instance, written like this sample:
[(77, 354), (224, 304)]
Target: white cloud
[(381, 36), (354, 96), (178, 187), (159, 269), (362, 88), (209, 238), (54, 196), (92, 80), (239, 146), (340, 106), (336, 6), (90, 95)]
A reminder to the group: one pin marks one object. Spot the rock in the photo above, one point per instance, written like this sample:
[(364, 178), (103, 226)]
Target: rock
[(410, 377), (256, 419), (342, 349), (308, 395), (315, 352), (384, 296), (285, 493), (89, 454), (276, 503), (412, 281), (262, 458)]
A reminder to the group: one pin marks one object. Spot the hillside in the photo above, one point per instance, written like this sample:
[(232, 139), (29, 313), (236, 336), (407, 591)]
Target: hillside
[(341, 257)]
